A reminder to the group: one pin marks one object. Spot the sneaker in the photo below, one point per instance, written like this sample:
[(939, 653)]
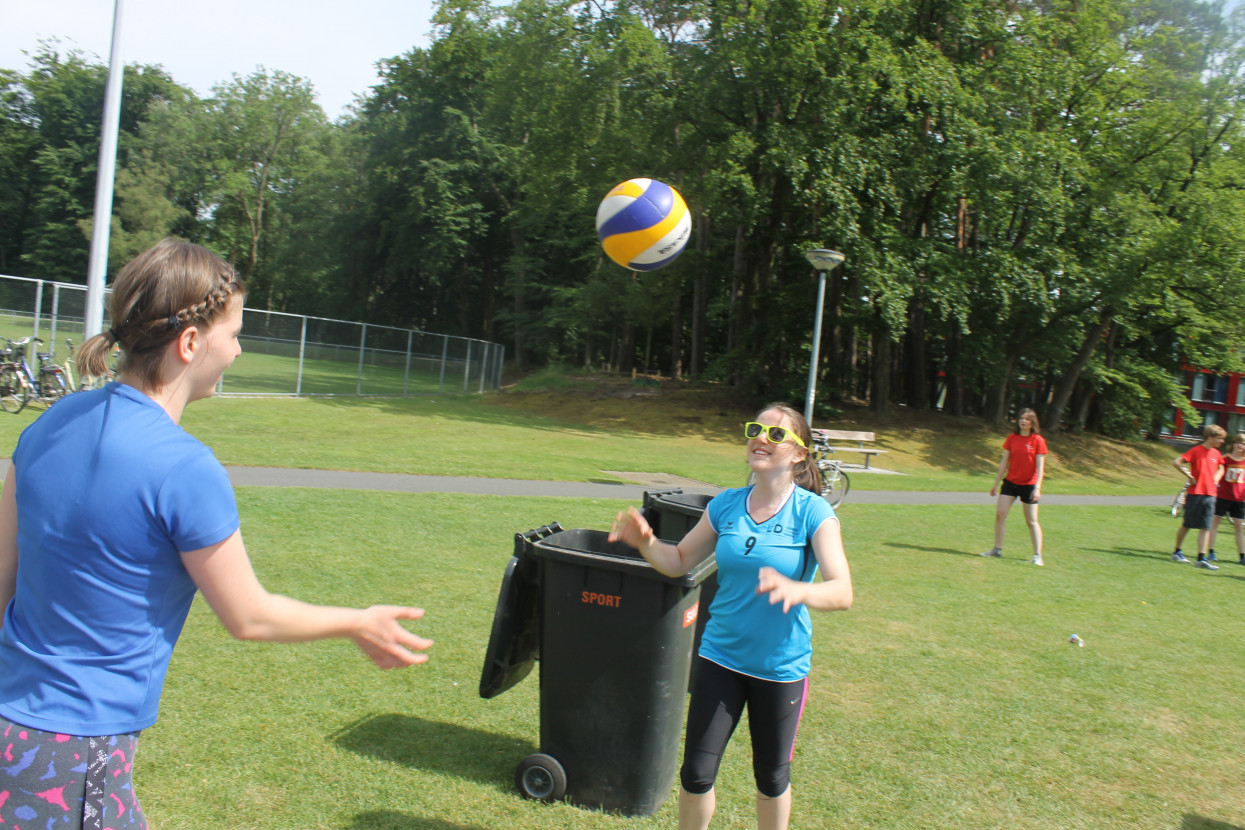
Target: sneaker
[(1037, 559), (993, 552), (1179, 557), (1207, 564), (1211, 556)]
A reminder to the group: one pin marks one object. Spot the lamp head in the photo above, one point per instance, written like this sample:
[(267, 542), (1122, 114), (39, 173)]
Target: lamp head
[(824, 260)]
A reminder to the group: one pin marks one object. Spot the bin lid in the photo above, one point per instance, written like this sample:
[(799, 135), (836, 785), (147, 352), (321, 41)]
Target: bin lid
[(514, 643), (592, 548), (688, 504)]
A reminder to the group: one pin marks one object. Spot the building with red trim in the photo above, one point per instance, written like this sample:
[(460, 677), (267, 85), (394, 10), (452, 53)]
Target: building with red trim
[(1220, 399)]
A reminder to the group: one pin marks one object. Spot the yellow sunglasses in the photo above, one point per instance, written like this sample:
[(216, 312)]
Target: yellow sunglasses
[(776, 435)]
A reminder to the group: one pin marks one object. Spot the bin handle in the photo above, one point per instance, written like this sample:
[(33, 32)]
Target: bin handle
[(523, 541)]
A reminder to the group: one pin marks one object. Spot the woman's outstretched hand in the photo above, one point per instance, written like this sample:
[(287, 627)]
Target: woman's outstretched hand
[(382, 638)]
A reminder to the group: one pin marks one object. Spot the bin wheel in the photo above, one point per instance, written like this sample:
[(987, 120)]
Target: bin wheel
[(540, 777)]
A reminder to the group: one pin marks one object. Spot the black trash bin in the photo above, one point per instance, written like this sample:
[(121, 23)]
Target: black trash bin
[(671, 514), (614, 638)]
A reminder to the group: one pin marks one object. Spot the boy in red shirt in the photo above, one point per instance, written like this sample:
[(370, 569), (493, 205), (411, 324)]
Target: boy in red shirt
[(1204, 472)]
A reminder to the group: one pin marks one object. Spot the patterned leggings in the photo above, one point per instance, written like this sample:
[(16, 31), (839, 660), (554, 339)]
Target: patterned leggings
[(50, 781)]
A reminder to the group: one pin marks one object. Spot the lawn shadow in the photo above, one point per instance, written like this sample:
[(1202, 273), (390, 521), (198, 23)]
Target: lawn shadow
[(393, 820), (1193, 822), (928, 549), (433, 746), (1139, 554)]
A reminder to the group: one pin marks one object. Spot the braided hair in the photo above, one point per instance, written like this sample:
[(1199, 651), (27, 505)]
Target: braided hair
[(161, 291)]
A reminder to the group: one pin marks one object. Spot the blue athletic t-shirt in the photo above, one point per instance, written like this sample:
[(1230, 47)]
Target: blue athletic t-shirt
[(110, 491), (745, 633)]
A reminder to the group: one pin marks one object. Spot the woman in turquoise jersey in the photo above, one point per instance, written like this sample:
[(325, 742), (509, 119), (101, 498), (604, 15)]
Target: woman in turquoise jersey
[(112, 516), (770, 539)]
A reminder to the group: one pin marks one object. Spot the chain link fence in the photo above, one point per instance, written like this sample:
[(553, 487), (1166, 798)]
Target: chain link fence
[(284, 354)]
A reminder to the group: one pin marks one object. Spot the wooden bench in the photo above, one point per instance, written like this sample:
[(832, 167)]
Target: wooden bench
[(828, 435)]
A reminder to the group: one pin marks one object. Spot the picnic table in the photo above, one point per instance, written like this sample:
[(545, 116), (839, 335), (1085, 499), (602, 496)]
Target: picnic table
[(828, 436)]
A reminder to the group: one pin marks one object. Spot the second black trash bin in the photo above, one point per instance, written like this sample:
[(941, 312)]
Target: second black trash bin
[(671, 514), (615, 646)]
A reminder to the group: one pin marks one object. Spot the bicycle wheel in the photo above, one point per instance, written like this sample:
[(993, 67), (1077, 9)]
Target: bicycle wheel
[(14, 390), (52, 385), (8, 391), (834, 489)]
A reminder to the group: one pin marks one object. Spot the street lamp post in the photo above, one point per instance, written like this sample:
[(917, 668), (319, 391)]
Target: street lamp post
[(823, 261), (97, 265)]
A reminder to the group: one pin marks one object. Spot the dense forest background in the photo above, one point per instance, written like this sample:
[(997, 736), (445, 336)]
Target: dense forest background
[(1038, 201)]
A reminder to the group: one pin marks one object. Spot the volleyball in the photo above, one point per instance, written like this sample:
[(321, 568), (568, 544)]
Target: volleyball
[(643, 224)]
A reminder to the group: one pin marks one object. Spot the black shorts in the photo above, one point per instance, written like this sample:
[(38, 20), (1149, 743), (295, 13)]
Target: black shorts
[(1022, 491), (1231, 509), (1198, 511)]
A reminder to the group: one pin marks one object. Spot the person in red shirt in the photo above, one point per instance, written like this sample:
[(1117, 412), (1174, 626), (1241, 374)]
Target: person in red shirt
[(1204, 472), (1230, 500), (1021, 471)]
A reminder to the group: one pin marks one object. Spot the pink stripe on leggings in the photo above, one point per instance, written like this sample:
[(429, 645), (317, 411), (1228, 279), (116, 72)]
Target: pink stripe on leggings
[(799, 717)]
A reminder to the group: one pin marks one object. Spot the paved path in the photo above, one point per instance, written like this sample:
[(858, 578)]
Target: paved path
[(401, 483)]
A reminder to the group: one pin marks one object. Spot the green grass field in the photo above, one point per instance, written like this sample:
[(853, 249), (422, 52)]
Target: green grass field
[(948, 697)]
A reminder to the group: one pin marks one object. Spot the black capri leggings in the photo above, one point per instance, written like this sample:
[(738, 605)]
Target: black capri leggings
[(718, 699)]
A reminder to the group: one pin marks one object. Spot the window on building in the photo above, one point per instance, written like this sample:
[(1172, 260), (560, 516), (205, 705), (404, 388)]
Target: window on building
[(1208, 388)]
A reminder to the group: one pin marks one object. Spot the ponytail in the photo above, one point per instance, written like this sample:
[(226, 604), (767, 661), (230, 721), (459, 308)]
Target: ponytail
[(93, 354)]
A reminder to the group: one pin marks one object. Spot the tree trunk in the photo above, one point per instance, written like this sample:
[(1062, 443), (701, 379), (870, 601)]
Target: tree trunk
[(997, 399), (953, 402), (517, 241), (676, 336), (734, 322), (917, 392), (626, 349), (1063, 391), (834, 348), (879, 400), (700, 297)]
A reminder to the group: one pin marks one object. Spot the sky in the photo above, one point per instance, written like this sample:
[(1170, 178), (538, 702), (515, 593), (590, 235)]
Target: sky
[(335, 45)]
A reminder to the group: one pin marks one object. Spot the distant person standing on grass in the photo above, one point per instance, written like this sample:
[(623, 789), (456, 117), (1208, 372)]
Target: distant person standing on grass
[(1021, 470), (1204, 472), (112, 516), (1230, 499)]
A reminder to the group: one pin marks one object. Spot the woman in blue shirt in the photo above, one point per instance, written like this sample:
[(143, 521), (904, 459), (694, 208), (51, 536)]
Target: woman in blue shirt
[(112, 516), (770, 540)]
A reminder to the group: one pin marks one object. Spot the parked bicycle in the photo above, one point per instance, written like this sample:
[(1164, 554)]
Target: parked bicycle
[(834, 482), (20, 383)]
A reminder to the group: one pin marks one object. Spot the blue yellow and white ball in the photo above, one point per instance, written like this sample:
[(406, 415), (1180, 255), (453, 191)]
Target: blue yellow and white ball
[(643, 224)]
